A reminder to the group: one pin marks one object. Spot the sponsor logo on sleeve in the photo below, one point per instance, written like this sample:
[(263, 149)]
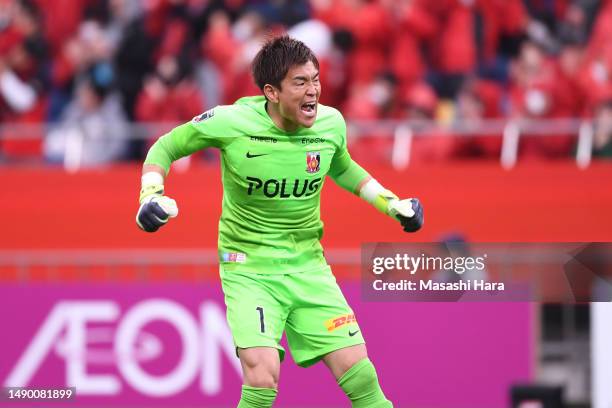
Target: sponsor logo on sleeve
[(202, 117)]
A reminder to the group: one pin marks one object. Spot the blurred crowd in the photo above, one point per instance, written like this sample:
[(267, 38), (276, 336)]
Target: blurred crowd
[(90, 68)]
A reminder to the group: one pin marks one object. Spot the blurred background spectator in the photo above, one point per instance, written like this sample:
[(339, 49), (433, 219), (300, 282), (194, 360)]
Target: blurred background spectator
[(477, 101), (23, 75), (449, 61), (92, 129), (169, 94), (602, 143)]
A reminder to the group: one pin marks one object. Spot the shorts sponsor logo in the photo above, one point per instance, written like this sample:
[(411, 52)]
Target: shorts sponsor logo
[(238, 257), (333, 324), (206, 115), (313, 162)]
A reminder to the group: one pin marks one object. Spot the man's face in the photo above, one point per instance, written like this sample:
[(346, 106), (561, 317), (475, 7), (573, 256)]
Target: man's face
[(299, 96)]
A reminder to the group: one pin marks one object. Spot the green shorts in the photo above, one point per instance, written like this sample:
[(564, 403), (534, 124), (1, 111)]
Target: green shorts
[(309, 306)]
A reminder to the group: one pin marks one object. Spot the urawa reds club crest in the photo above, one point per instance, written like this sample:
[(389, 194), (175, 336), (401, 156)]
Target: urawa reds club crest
[(313, 162)]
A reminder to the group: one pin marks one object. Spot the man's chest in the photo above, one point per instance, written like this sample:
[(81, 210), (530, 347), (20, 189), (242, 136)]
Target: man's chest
[(269, 156), (279, 167)]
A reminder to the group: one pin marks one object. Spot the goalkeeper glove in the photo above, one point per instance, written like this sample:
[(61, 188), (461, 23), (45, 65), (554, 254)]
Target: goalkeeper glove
[(409, 213), (155, 208)]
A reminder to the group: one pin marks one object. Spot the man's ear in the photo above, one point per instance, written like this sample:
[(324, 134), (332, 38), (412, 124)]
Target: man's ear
[(271, 93)]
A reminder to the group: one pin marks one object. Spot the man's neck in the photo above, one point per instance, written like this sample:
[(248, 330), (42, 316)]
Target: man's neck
[(279, 121)]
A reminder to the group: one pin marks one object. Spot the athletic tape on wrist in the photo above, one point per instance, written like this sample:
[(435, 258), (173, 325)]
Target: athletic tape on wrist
[(151, 190), (151, 178), (152, 183), (374, 193)]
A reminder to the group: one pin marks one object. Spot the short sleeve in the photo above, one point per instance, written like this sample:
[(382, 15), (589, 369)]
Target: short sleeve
[(342, 158), (212, 128)]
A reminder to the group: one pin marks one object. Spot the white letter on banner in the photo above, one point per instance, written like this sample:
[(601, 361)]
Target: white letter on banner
[(216, 337), (75, 314), (38, 348), (125, 343), (75, 347)]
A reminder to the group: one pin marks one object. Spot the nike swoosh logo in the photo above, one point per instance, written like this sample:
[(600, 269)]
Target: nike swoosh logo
[(353, 333), (250, 156)]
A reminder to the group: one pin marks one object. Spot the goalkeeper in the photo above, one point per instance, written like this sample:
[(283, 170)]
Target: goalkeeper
[(276, 150)]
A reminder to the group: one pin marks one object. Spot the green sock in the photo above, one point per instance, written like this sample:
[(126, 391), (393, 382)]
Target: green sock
[(360, 384), (253, 397)]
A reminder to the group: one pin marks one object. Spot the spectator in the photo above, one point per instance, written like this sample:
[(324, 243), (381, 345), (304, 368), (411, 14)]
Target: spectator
[(454, 51), (373, 101), (133, 50), (89, 47), (429, 145), (500, 27), (370, 25), (285, 12), (560, 72), (93, 129), (602, 142), (218, 49), (570, 97), (23, 75), (250, 30), (169, 95), (535, 94), (573, 27), (477, 101), (415, 26), (62, 19)]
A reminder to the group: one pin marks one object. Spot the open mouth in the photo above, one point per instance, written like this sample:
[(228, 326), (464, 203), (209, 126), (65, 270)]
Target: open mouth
[(309, 108)]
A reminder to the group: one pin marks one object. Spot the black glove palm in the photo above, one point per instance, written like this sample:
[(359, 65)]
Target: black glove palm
[(155, 210), (414, 223)]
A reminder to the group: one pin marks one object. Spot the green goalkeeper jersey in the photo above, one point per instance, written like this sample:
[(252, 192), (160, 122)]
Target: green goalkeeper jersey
[(272, 181)]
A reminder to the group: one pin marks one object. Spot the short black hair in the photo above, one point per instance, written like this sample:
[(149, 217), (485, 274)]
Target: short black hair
[(276, 57)]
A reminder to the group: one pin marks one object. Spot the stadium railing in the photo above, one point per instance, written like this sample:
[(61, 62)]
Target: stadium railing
[(402, 134)]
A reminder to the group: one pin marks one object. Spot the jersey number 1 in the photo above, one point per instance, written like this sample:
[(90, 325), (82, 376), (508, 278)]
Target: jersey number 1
[(261, 319)]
